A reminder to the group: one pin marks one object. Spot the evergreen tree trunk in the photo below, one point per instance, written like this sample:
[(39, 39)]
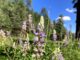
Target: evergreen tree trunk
[(78, 20)]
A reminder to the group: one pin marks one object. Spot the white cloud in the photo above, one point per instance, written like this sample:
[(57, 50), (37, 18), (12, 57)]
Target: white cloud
[(65, 18), (70, 10)]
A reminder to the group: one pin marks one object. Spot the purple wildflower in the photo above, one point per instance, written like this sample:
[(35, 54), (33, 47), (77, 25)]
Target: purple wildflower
[(36, 33), (42, 34)]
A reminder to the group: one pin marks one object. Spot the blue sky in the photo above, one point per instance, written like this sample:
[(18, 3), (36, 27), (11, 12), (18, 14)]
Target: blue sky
[(55, 8)]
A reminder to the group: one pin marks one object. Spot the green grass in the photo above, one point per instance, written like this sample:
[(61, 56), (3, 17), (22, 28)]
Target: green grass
[(2, 57), (70, 52)]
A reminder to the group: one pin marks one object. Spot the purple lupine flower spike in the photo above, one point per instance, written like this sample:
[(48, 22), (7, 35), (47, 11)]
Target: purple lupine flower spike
[(36, 33), (42, 34)]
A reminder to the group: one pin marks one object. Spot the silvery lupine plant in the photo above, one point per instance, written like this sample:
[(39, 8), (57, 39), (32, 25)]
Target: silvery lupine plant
[(2, 33), (24, 25), (54, 35), (30, 21), (41, 24), (57, 55), (23, 30), (26, 46), (66, 40), (20, 41), (39, 42)]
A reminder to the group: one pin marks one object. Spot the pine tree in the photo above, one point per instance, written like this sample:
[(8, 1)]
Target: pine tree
[(60, 29)]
